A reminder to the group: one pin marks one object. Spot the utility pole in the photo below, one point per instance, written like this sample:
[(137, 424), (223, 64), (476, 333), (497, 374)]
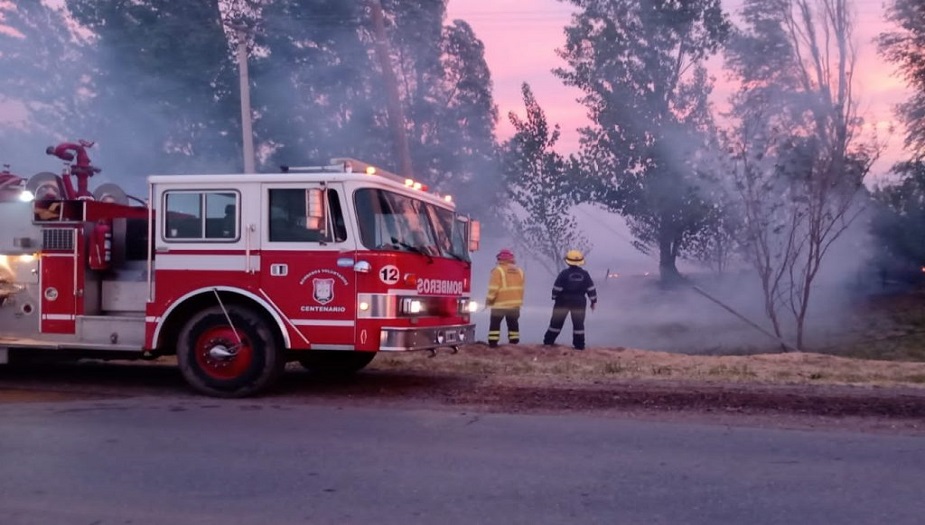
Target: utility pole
[(247, 130), (395, 113)]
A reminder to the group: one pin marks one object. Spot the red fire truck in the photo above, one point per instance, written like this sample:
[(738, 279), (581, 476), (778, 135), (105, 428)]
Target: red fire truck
[(234, 274)]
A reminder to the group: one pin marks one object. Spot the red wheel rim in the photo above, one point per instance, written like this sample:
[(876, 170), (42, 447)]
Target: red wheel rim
[(214, 343)]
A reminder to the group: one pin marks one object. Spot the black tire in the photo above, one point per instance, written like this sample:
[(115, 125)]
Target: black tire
[(254, 366), (335, 362)]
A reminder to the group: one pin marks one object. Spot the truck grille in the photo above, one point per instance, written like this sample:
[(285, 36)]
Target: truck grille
[(58, 239)]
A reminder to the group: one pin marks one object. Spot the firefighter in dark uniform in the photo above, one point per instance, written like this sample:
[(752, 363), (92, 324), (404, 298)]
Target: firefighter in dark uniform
[(568, 292)]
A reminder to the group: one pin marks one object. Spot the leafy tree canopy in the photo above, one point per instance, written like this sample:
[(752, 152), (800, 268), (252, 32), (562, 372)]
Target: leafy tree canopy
[(640, 68)]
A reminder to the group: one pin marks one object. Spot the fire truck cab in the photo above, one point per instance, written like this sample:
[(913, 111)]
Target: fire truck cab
[(236, 274)]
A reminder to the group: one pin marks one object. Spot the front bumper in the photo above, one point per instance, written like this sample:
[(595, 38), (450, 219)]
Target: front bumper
[(424, 338)]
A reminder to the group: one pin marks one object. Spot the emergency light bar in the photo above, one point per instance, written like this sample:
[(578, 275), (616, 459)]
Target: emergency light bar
[(358, 166), (309, 169)]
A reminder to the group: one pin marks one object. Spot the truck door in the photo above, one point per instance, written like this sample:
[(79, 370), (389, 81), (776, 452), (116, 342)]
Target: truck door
[(307, 257), (61, 280)]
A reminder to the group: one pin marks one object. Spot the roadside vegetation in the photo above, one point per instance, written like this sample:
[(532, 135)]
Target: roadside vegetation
[(599, 366), (883, 346), (890, 328)]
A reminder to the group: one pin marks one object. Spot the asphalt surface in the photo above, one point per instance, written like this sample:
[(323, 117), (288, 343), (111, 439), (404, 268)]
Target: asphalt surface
[(186, 460)]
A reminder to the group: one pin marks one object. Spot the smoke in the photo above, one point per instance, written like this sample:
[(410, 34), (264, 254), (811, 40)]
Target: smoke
[(109, 89), (636, 310)]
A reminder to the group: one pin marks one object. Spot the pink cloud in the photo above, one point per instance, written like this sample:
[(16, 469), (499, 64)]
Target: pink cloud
[(7, 6), (10, 31)]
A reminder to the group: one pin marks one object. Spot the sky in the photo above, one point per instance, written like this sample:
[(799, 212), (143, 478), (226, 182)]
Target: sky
[(521, 38)]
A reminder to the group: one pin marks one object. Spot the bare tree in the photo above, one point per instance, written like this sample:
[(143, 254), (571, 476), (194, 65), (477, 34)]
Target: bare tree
[(799, 157)]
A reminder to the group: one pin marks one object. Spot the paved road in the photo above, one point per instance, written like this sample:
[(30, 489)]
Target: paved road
[(188, 460)]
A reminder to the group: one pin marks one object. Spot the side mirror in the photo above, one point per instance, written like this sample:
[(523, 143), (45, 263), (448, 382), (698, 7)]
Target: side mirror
[(475, 235), (314, 209), (314, 204)]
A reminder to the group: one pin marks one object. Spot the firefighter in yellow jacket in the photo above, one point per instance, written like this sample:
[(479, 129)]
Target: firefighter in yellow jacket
[(505, 297)]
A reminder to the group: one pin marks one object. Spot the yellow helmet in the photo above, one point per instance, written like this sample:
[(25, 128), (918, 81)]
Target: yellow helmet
[(574, 258)]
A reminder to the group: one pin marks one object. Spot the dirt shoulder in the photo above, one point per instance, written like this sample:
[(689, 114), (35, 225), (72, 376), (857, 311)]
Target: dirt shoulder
[(812, 388), (795, 390)]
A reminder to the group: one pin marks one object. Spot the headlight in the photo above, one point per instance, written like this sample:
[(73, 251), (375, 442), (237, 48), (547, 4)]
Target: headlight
[(467, 306), (411, 306)]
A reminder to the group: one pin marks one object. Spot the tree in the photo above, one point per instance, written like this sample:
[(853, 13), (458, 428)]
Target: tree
[(903, 47), (640, 66), (898, 225), (467, 115), (333, 103), (540, 188), (165, 86), (44, 79), (447, 90), (799, 162), (316, 93)]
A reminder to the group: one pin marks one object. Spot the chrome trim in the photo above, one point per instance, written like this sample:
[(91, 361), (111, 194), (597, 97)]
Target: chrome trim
[(272, 310), (381, 306), (388, 305), (362, 267), (340, 348), (392, 339)]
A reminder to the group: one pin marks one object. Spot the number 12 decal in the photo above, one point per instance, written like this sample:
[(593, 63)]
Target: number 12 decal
[(389, 274)]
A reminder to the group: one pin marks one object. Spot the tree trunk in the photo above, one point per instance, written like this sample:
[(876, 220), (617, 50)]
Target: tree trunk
[(667, 268), (390, 82)]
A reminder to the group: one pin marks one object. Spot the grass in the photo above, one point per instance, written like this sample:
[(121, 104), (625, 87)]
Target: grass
[(890, 328), (614, 368), (601, 365), (882, 344), (731, 371)]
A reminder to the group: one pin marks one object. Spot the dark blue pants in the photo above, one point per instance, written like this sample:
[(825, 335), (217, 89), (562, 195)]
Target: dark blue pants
[(560, 311)]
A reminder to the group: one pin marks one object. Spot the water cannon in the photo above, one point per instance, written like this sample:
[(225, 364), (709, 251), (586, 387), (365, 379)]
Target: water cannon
[(81, 168)]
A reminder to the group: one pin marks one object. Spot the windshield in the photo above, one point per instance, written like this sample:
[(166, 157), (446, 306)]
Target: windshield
[(390, 221)]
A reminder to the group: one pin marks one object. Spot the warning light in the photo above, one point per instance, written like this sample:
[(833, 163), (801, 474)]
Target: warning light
[(409, 182), (418, 185), (448, 198), (370, 170)]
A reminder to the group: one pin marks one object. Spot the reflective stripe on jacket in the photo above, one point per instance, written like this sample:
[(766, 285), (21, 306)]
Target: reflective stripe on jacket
[(506, 286)]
